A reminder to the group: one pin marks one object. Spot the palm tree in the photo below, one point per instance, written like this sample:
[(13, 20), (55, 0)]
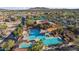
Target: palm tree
[(4, 45), (37, 47), (10, 43)]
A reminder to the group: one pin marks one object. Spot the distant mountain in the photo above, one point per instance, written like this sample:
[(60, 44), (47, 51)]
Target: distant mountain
[(2, 9), (33, 8), (39, 8), (14, 8), (22, 8)]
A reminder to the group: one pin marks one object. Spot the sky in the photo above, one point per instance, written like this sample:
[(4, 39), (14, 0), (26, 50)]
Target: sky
[(25, 4)]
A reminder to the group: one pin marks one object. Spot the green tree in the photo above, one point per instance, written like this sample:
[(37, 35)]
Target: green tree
[(15, 33), (11, 43), (37, 47), (8, 45), (4, 45), (0, 37), (19, 31), (19, 17), (29, 22), (3, 26)]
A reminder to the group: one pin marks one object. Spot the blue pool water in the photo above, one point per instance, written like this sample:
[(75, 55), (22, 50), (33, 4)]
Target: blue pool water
[(47, 40), (52, 41), (35, 34), (32, 37), (41, 37), (25, 45), (34, 31)]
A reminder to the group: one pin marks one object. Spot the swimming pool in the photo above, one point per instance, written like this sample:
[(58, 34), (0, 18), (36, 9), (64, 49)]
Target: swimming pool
[(34, 31), (32, 37), (52, 41), (35, 34), (25, 45), (47, 40)]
